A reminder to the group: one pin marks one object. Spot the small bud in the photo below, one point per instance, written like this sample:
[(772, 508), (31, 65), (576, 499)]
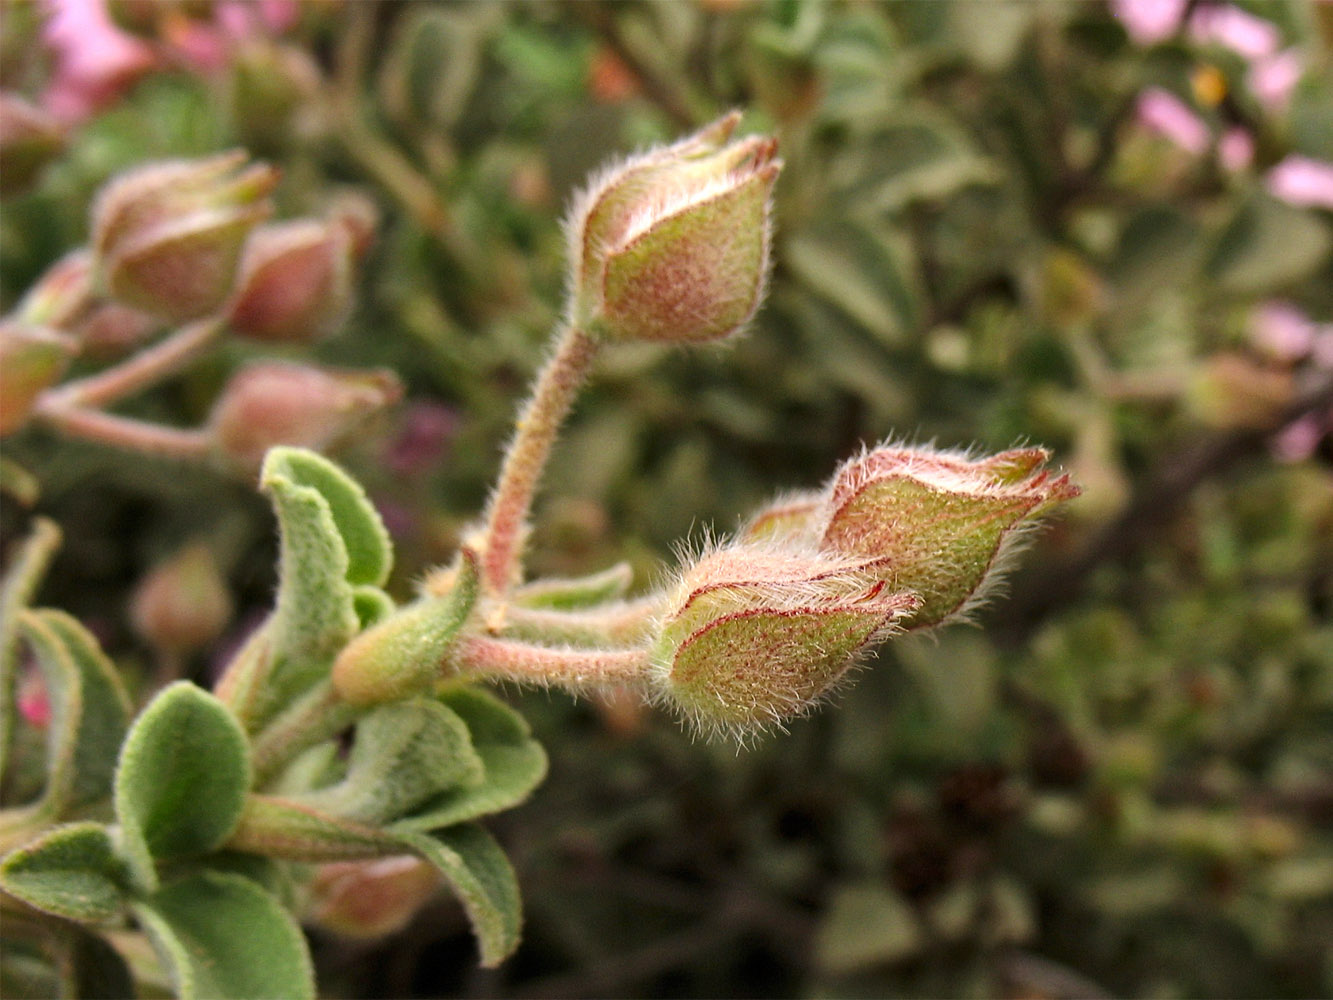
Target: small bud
[(29, 140), (182, 604), (112, 330), (61, 294), (370, 899), (31, 359), (168, 236), (295, 281), (758, 636), (272, 403), (673, 245), (273, 94), (938, 522)]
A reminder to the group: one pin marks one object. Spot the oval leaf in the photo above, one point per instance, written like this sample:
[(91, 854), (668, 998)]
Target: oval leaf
[(71, 871)]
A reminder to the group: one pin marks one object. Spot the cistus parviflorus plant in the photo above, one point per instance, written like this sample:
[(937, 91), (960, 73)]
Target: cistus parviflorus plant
[(346, 743)]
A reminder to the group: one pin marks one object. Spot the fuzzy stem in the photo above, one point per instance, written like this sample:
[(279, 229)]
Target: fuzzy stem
[(318, 716), (615, 625), (153, 364), (571, 669), (126, 432), (534, 434)]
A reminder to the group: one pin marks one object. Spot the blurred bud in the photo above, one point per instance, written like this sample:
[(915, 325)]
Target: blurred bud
[(31, 359), (29, 140), (61, 294), (758, 636), (939, 523), (295, 281), (112, 330), (267, 404), (673, 245), (369, 899), (182, 604), (145, 18), (168, 236), (273, 94), (1233, 390)]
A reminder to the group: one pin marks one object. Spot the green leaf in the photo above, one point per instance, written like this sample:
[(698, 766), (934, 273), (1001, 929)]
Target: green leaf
[(864, 926), (221, 936), (371, 604), (25, 574), (182, 778), (89, 710), (403, 754), (369, 550), (1267, 246), (72, 871), (514, 763), (294, 831), (578, 592), (482, 879)]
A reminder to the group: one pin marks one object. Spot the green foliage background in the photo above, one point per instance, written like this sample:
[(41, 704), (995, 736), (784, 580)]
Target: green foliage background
[(1122, 783)]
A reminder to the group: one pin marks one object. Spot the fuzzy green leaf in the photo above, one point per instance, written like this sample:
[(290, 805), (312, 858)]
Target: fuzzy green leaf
[(222, 936), (369, 551), (90, 710), (482, 879), (295, 831), (578, 592), (404, 754), (514, 763), (182, 779), (72, 871)]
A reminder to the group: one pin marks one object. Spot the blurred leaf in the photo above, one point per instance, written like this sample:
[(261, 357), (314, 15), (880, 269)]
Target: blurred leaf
[(1267, 246), (865, 925), (223, 937)]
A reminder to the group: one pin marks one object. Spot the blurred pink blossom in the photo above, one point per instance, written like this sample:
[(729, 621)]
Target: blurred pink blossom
[(1235, 29), (1322, 351), (95, 62), (1282, 330), (423, 438), (1273, 78), (1162, 112), (34, 702), (1302, 181), (1235, 149), (208, 46), (1149, 21), (1297, 441)]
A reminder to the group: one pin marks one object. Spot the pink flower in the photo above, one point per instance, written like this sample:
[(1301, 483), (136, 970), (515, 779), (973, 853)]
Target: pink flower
[(94, 60), (1282, 330), (1149, 21), (424, 436), (1297, 441), (1235, 149), (1162, 112), (1273, 78), (1235, 29), (1302, 181)]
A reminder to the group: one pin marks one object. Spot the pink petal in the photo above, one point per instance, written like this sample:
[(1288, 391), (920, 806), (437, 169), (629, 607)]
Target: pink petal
[(1235, 29), (1282, 330), (1162, 112), (1235, 149), (1273, 78), (1149, 21), (1301, 181)]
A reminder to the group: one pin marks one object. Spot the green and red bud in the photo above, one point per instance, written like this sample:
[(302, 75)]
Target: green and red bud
[(938, 523), (756, 636), (29, 140), (62, 294), (672, 246), (32, 358), (295, 281), (182, 604), (272, 403), (168, 236)]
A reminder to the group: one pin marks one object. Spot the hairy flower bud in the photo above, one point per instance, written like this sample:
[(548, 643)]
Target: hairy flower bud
[(758, 635), (272, 403), (295, 281), (938, 522), (672, 246), (31, 359), (168, 236), (182, 604), (29, 140), (62, 294)]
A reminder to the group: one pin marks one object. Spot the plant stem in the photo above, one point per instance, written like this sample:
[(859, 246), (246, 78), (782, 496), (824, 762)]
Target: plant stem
[(318, 716), (571, 669), (126, 432), (615, 625), (538, 424), (164, 358)]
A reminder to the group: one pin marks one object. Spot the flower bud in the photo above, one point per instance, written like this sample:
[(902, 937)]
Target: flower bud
[(938, 522), (111, 330), (168, 236), (31, 359), (672, 246), (370, 899), (272, 403), (29, 140), (61, 294), (295, 282), (182, 604), (758, 635)]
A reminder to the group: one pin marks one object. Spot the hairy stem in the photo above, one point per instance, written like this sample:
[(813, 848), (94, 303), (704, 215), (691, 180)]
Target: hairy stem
[(538, 424), (571, 669), (619, 624), (151, 365), (318, 716), (128, 433)]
